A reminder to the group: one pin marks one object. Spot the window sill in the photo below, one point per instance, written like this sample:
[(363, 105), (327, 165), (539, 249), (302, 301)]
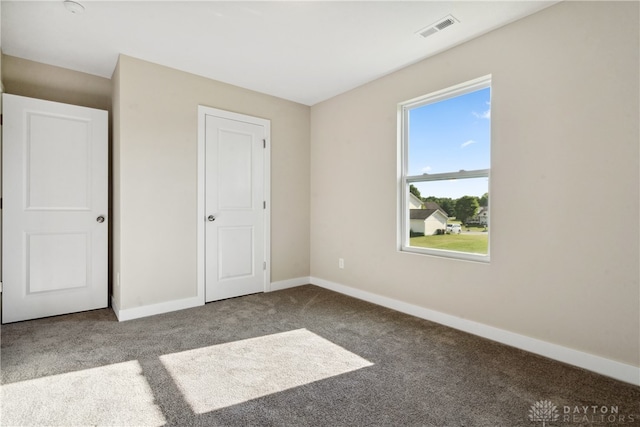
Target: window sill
[(441, 253)]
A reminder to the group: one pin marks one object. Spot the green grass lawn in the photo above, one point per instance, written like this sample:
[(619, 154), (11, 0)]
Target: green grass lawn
[(475, 243)]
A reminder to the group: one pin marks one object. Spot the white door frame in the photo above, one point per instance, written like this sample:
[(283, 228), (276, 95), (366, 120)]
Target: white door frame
[(204, 111)]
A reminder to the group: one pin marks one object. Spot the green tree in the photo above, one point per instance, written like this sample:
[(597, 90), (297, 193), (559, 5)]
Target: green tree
[(413, 190), (484, 200), (446, 203), (430, 199), (466, 208)]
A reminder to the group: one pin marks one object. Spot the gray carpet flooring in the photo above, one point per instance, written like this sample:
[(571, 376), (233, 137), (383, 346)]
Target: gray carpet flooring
[(304, 356)]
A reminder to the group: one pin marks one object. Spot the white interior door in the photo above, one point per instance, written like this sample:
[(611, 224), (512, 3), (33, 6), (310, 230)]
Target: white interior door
[(54, 208), (235, 206)]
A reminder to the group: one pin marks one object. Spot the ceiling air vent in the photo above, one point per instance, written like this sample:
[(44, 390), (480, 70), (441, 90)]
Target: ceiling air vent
[(443, 23)]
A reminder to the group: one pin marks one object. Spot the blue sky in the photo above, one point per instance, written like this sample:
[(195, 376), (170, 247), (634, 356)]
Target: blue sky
[(450, 135)]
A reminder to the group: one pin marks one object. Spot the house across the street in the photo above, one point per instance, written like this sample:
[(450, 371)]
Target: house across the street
[(428, 220), (481, 217)]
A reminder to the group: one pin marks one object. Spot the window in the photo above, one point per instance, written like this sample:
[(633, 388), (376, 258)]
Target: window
[(444, 165)]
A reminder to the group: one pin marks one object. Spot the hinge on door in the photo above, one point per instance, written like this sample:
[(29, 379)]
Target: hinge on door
[(264, 265), (264, 205), (0, 119), (264, 143)]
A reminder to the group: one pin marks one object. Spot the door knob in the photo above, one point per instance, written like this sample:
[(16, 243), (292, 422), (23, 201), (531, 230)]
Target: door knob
[(100, 219), (211, 218)]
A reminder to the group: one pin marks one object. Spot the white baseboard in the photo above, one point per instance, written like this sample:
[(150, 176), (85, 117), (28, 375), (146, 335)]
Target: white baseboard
[(610, 368), (290, 283), (115, 307), (165, 307), (153, 309)]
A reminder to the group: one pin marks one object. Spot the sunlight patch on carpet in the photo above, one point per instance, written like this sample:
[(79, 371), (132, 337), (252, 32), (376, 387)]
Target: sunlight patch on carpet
[(222, 375), (115, 395)]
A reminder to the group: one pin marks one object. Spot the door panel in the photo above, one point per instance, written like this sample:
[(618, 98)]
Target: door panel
[(56, 261), (234, 164), (234, 206), (54, 208), (235, 252), (50, 186)]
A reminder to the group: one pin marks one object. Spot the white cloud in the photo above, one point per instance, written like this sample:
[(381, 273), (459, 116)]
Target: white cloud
[(426, 169), (483, 115), (466, 144)]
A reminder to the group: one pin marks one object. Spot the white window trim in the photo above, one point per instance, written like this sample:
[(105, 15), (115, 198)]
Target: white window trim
[(404, 181)]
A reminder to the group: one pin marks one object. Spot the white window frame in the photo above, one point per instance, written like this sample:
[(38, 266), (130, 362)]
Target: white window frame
[(404, 180)]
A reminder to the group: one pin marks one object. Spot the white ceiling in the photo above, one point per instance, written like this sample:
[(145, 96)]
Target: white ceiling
[(305, 51)]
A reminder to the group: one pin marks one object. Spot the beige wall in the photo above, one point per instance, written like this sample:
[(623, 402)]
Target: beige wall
[(42, 81), (564, 154), (116, 215), (155, 148)]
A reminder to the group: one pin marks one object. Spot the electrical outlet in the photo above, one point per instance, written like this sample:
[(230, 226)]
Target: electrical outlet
[(340, 262)]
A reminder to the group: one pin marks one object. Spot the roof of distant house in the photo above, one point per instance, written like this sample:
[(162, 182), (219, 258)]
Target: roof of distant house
[(429, 209)]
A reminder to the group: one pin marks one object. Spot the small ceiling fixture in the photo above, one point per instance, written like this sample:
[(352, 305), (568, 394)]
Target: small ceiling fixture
[(440, 25), (73, 6)]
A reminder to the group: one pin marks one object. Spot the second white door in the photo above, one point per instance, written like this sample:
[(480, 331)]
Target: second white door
[(55, 159), (235, 206)]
